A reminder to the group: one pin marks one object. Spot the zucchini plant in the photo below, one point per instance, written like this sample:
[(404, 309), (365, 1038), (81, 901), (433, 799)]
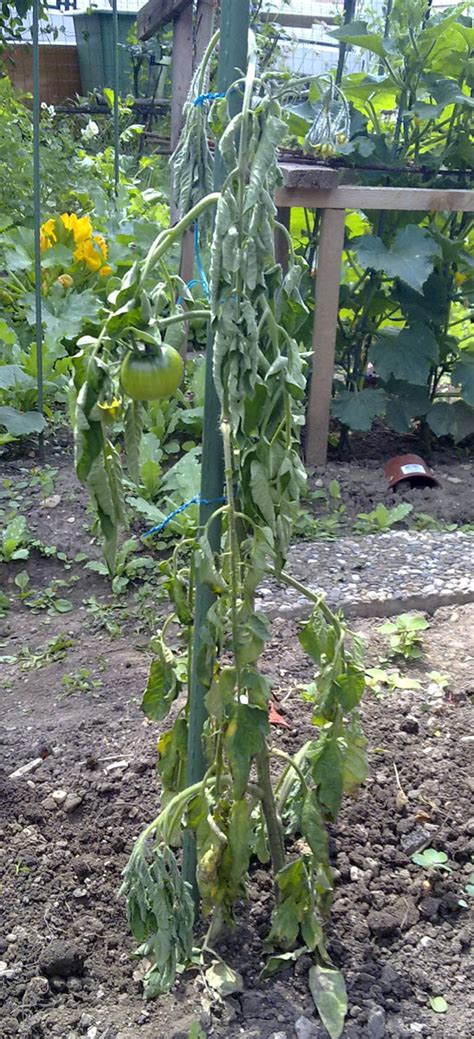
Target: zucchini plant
[(406, 302), (254, 801)]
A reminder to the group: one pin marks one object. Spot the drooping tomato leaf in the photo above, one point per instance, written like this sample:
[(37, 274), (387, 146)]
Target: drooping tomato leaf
[(328, 990)]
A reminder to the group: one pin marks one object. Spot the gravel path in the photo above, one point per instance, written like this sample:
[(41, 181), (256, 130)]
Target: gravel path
[(379, 575)]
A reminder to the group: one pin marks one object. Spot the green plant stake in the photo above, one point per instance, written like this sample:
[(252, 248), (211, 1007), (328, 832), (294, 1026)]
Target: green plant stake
[(235, 16), (37, 216)]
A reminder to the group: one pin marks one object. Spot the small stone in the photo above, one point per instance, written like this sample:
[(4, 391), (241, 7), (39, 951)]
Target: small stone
[(469, 827), (92, 1032), (429, 907), (59, 796), (61, 959), (305, 1029), (71, 803), (279, 1035), (418, 839), (410, 724), (49, 803), (356, 873), (74, 985), (58, 984), (376, 1023), (382, 923)]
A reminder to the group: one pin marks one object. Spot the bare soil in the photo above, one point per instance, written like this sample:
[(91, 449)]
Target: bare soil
[(400, 934)]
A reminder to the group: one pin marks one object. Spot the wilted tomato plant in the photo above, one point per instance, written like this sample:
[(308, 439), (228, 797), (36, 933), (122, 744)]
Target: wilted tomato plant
[(241, 810)]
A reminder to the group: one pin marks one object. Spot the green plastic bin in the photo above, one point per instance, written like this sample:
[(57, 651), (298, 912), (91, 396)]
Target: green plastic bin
[(95, 50)]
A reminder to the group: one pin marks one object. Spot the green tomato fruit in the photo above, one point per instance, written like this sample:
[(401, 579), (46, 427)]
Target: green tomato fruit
[(153, 375)]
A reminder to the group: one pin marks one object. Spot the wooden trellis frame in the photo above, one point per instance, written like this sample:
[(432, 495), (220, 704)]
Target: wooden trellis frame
[(190, 39), (317, 188)]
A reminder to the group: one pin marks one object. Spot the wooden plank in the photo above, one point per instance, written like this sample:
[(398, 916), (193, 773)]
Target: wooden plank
[(328, 281), (204, 24), (181, 69), (157, 13), (296, 21), (302, 175), (443, 200)]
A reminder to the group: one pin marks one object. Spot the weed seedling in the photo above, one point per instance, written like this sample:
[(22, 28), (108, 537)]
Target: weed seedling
[(14, 540), (405, 635), (381, 519), (381, 681), (431, 859), (80, 681), (55, 649)]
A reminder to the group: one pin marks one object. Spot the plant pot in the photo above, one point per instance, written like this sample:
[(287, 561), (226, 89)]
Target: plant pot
[(410, 470)]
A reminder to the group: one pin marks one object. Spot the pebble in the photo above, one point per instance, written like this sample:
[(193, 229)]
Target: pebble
[(71, 803), (305, 1029), (410, 724), (376, 1024), (61, 959), (59, 796)]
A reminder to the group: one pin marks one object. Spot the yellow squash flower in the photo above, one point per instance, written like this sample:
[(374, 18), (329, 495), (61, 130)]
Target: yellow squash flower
[(460, 278), (47, 234), (88, 253), (65, 280), (81, 227)]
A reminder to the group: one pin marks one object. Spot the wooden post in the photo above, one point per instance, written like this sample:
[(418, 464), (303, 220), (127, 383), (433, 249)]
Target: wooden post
[(281, 244), (328, 280), (203, 29), (182, 69), (202, 34)]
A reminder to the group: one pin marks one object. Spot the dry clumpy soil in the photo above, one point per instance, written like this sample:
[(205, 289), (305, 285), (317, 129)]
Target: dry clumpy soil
[(399, 934)]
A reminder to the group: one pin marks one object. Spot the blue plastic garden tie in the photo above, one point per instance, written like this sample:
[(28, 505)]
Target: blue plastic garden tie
[(197, 500), (201, 98), (200, 268), (202, 280)]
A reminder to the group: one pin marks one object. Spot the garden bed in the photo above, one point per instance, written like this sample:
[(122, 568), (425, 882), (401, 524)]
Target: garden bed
[(398, 933)]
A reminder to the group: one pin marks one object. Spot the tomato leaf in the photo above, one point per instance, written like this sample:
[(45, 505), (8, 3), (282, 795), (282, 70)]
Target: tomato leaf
[(243, 739), (328, 990)]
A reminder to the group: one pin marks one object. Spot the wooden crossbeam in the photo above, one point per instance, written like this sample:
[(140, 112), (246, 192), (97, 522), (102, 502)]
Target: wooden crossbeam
[(443, 200), (296, 21), (157, 13)]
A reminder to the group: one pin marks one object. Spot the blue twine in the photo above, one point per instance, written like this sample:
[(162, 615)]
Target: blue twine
[(202, 280), (201, 98), (200, 268), (197, 500)]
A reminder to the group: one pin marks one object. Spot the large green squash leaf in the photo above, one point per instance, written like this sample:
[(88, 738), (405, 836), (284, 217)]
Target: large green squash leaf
[(358, 410), (455, 420), (406, 402), (19, 423), (356, 35), (463, 374), (408, 355), (410, 257)]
